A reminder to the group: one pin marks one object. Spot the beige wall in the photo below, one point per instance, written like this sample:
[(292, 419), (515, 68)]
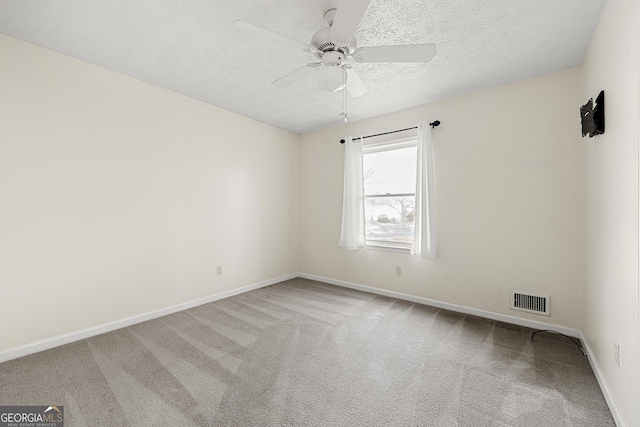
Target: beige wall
[(610, 178), (508, 201), (119, 198)]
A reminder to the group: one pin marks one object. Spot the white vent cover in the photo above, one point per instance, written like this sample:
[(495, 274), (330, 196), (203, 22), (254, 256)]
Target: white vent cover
[(537, 304)]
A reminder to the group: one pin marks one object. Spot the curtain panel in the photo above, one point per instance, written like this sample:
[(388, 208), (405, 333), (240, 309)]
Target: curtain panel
[(352, 234), (424, 240)]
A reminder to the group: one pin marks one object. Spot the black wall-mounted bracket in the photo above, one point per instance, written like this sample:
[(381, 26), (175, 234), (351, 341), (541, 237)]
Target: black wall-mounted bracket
[(592, 118)]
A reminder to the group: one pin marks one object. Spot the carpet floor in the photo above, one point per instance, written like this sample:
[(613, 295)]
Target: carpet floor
[(305, 353)]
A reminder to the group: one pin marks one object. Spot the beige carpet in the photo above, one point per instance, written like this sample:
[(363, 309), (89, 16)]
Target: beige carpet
[(306, 353)]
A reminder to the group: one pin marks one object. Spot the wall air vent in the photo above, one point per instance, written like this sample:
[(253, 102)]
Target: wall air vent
[(537, 304)]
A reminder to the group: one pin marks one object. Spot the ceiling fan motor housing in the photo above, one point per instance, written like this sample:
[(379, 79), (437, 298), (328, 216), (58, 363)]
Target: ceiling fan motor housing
[(324, 42)]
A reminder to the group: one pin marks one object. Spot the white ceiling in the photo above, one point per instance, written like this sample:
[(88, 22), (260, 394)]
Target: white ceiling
[(191, 47)]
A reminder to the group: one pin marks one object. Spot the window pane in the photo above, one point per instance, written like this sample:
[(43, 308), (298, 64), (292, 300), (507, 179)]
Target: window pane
[(390, 172), (389, 219)]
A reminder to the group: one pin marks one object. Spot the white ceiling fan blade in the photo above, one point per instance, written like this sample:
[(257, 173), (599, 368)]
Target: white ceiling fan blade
[(296, 75), (349, 13), (263, 32), (400, 53), (355, 86)]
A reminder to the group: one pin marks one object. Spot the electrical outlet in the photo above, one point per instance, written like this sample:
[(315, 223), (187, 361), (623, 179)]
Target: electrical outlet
[(616, 353), (219, 270), (398, 270)]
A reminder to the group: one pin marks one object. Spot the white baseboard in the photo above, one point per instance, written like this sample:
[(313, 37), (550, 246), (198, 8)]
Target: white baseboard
[(46, 344), (613, 407), (534, 324)]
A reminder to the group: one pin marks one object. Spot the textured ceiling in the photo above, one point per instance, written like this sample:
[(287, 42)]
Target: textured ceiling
[(191, 47)]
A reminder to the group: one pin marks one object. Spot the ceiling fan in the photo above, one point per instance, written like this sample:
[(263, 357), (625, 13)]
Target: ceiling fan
[(335, 46)]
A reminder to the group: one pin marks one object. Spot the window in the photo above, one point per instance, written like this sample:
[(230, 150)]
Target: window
[(389, 170), (395, 179)]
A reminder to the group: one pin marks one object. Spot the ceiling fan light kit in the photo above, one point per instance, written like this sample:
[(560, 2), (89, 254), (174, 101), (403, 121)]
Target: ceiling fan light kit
[(331, 78), (336, 47)]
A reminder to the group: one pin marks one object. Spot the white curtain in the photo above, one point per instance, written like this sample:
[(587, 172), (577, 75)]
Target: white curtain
[(352, 235), (424, 239)]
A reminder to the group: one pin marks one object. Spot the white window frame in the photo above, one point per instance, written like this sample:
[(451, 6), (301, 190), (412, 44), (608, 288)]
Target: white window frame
[(378, 147)]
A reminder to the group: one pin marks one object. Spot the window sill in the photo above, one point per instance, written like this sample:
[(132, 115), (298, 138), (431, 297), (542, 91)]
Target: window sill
[(378, 247)]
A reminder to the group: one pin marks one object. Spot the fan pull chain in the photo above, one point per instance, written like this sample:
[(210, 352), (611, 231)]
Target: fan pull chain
[(344, 94)]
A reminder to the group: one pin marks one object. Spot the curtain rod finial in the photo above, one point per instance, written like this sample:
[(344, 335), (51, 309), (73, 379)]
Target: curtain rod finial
[(342, 141), (435, 123)]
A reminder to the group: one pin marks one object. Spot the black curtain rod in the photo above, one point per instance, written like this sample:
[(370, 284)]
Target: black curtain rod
[(433, 125)]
